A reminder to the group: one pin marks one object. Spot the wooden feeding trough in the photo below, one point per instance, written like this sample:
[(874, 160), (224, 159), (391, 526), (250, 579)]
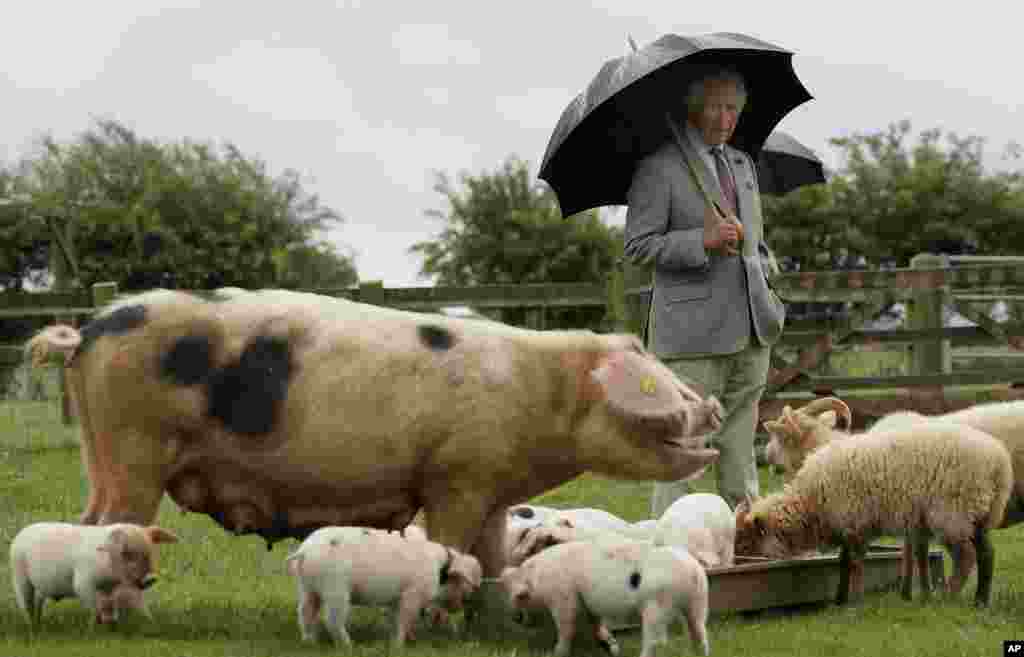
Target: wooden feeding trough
[(755, 583)]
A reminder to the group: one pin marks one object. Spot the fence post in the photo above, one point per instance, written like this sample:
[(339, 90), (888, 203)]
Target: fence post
[(925, 312)]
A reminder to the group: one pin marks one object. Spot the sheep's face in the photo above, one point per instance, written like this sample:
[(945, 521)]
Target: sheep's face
[(794, 435), (775, 527)]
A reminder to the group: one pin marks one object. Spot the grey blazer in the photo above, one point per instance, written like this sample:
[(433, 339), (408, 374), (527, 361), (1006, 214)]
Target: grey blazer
[(702, 303)]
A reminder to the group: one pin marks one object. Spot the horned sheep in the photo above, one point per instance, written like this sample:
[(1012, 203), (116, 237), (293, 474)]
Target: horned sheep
[(937, 479)]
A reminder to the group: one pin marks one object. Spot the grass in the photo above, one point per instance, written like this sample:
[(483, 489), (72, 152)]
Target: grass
[(222, 595)]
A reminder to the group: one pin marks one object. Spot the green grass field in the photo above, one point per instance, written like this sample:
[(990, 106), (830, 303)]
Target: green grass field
[(228, 596)]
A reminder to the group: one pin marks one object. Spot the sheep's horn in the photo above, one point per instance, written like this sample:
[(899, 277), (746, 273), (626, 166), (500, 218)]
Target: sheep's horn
[(822, 404)]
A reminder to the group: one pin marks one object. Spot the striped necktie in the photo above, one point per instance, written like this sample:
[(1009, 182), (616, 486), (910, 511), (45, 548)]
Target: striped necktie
[(725, 179)]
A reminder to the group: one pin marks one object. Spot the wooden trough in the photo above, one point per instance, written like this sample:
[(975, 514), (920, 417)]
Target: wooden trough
[(755, 583)]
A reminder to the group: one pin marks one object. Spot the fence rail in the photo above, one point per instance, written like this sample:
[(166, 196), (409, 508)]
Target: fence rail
[(931, 283)]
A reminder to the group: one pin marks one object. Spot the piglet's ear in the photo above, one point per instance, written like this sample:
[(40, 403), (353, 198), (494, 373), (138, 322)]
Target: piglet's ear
[(160, 535), (633, 384)]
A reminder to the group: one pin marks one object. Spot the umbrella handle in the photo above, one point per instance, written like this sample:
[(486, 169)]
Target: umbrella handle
[(712, 203)]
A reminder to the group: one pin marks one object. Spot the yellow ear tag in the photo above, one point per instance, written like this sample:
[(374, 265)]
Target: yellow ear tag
[(648, 385)]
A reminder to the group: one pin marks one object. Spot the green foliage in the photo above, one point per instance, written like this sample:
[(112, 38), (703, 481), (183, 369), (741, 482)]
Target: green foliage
[(502, 227), (186, 214), (894, 199)]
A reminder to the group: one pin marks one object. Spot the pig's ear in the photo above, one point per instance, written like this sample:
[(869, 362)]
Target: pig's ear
[(159, 535), (468, 569), (638, 388)]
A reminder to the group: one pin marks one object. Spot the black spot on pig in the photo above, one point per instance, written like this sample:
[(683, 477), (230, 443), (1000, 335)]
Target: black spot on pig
[(523, 512), (246, 396), (120, 321), (634, 580), (434, 337), (189, 361)]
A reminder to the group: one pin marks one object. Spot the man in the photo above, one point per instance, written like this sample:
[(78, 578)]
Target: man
[(713, 317)]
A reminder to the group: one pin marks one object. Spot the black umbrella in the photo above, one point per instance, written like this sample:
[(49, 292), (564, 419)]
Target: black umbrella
[(785, 164), (620, 117)]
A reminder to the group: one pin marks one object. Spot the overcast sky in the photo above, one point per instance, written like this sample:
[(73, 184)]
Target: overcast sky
[(367, 98)]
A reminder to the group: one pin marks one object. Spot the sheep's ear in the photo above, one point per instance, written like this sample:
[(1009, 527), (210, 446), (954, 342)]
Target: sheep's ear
[(160, 535)]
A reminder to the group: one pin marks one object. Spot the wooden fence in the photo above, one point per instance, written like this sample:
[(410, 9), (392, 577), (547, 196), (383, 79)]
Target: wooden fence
[(931, 384)]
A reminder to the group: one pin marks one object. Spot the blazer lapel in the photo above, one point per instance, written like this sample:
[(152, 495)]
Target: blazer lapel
[(745, 191), (708, 177)]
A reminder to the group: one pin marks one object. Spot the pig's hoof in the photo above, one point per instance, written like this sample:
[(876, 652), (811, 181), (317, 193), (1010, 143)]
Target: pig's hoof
[(611, 646)]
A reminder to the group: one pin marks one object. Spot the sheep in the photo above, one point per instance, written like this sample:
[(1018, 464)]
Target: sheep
[(614, 580), (937, 479), (107, 568), (336, 567), (789, 442), (1001, 420)]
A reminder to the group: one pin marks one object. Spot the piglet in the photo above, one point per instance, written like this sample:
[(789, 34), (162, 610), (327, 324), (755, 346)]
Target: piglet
[(106, 567), (337, 567), (616, 581)]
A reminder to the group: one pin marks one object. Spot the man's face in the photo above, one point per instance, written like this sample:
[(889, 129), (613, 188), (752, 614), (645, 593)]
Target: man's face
[(722, 105)]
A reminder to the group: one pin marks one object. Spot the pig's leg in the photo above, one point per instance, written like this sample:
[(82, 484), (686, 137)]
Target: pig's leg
[(697, 622), (85, 589), (135, 481), (564, 609), (338, 609), (309, 614), (655, 618), (410, 604), (605, 636), (25, 593), (92, 449)]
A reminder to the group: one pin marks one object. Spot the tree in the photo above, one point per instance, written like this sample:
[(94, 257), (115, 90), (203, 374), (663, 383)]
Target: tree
[(894, 199), (187, 215), (501, 227)]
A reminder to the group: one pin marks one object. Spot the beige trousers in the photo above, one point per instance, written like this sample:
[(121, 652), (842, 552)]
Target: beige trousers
[(726, 377)]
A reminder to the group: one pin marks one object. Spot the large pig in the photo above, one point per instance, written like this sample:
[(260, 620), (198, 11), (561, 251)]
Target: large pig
[(337, 567), (280, 412), (107, 568), (615, 581)]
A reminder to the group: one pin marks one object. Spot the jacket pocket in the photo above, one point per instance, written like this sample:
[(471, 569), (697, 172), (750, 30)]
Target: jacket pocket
[(690, 292)]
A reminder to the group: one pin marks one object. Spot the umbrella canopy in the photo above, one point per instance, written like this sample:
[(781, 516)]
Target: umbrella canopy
[(620, 117), (785, 164)]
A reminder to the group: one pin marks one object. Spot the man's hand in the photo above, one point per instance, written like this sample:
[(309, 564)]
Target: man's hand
[(720, 232)]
